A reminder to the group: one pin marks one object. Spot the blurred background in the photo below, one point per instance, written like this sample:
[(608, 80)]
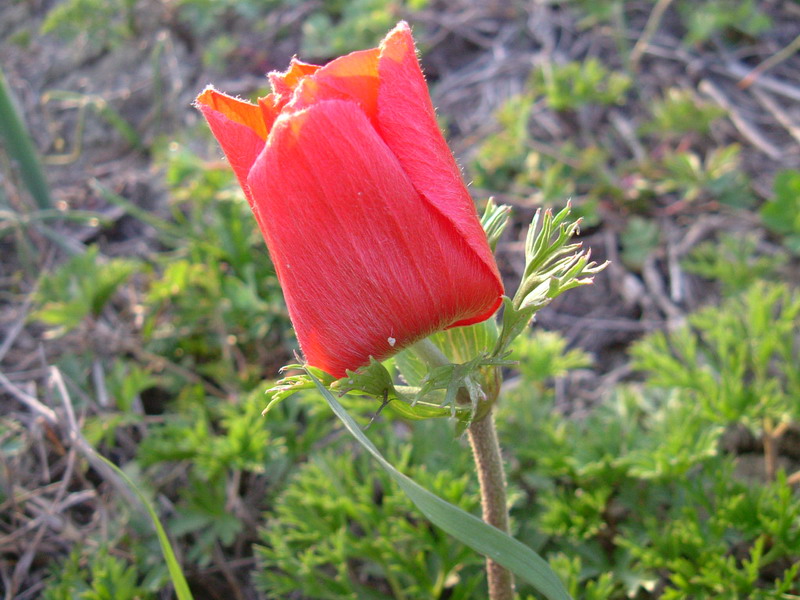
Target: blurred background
[(651, 429)]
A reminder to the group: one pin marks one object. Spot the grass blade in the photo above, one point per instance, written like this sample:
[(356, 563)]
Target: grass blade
[(20, 147), (176, 574)]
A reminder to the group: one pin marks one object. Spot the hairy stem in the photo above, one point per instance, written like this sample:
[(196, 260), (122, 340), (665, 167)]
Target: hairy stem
[(492, 479), (771, 437), (491, 475), (429, 353)]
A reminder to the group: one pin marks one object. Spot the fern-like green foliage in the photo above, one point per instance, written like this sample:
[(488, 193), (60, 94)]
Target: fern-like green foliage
[(712, 17), (575, 84), (717, 175), (80, 288), (99, 23), (543, 355), (739, 361), (105, 577), (639, 497), (781, 214), (343, 529), (342, 26), (734, 262), (692, 540), (680, 112)]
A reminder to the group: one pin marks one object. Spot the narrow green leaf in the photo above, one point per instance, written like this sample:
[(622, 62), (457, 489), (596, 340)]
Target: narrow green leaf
[(514, 323), (20, 147), (163, 227), (176, 574), (290, 385), (468, 529), (494, 221)]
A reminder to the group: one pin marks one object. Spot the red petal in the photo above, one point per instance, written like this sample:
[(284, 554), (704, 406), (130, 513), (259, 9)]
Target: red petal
[(239, 128), (284, 84), (270, 109), (233, 109), (351, 77), (366, 265), (407, 123)]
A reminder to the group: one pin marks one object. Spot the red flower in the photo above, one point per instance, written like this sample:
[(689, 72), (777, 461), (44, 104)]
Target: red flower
[(372, 232)]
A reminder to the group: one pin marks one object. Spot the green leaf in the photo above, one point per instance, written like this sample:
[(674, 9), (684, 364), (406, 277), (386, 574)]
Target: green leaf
[(494, 221), (176, 574), (20, 147), (737, 360), (376, 380), (782, 213), (288, 386), (514, 323), (81, 287), (639, 240), (553, 265), (543, 355), (468, 529), (65, 315), (459, 345), (470, 376), (412, 368), (735, 261)]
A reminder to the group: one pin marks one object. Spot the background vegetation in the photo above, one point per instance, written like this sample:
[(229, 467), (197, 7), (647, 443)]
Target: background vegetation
[(651, 428)]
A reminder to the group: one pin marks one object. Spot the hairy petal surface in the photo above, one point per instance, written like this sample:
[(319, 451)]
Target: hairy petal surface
[(351, 77), (239, 127), (284, 84), (366, 265), (407, 123)]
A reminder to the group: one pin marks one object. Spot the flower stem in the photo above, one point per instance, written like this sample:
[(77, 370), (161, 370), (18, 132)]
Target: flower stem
[(430, 353), (771, 437), (492, 479), (491, 476)]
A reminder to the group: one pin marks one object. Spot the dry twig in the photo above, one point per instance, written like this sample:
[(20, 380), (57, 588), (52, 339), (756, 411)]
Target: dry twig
[(750, 131), (653, 21), (780, 115), (737, 70), (770, 62), (83, 446), (33, 403)]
